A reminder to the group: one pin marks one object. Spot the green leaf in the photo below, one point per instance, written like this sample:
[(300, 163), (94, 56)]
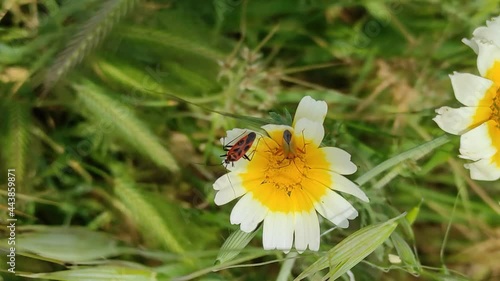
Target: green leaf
[(164, 38), (446, 277), (280, 119), (17, 141), (12, 54), (116, 117), (233, 245), (406, 224), (143, 213), (380, 11), (132, 77), (414, 153), (67, 244), (328, 95), (406, 254), (98, 273), (413, 213), (351, 250)]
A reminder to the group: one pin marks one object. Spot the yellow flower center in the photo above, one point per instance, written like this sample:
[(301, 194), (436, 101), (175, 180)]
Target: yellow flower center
[(285, 169), (495, 108), (493, 95), (494, 72), (492, 98), (281, 176)]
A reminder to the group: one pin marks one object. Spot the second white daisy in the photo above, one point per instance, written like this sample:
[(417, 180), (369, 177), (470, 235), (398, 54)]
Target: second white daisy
[(478, 122)]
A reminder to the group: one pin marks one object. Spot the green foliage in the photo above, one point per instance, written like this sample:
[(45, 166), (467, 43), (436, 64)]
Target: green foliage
[(90, 34), (112, 111), (17, 141), (113, 116), (406, 254), (344, 256), (99, 273), (234, 244), (53, 243), (144, 215), (414, 153)]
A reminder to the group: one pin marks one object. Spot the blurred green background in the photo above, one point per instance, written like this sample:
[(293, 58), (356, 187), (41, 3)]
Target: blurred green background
[(111, 112)]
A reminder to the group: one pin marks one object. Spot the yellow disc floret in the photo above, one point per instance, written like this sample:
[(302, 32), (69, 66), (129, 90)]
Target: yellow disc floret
[(281, 174)]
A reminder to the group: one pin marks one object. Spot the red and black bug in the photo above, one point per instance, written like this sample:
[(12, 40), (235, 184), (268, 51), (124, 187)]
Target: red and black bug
[(235, 152)]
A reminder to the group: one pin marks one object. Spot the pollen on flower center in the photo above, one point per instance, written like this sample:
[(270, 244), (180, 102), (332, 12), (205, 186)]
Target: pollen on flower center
[(495, 108), (285, 174)]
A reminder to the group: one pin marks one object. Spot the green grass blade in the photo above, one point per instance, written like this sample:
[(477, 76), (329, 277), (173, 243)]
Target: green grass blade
[(17, 142), (406, 254), (351, 250), (164, 38), (132, 77), (66, 244), (87, 39), (120, 119), (143, 213), (414, 153), (233, 245), (99, 273)]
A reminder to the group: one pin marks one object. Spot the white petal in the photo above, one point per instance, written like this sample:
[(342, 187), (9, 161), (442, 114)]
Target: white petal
[(268, 232), (477, 143), (489, 33), (484, 169), (313, 132), (270, 128), (229, 180), (472, 44), (340, 160), (312, 229), (301, 232), (227, 195), (342, 184), (278, 231), (311, 109), (494, 23), (454, 120), (487, 56), (306, 231), (336, 209), (241, 209), (284, 241), (228, 188), (248, 212), (257, 214), (469, 89)]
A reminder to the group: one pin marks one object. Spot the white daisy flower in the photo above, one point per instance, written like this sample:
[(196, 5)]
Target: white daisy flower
[(288, 179), (478, 122)]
